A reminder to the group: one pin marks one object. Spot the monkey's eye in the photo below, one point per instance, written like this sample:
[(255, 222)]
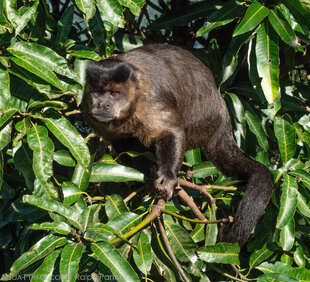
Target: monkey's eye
[(114, 93)]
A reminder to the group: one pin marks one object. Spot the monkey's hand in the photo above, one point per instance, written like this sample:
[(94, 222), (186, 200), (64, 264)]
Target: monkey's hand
[(165, 186)]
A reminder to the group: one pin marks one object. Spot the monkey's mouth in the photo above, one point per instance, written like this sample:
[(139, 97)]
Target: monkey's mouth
[(101, 117)]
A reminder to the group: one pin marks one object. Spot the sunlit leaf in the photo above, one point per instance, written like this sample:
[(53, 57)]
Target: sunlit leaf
[(58, 227), (220, 253), (5, 90), (88, 7), (115, 206), (287, 235), (111, 257), (112, 12), (143, 256)]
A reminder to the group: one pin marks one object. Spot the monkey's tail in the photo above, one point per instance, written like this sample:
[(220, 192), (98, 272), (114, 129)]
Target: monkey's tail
[(229, 158)]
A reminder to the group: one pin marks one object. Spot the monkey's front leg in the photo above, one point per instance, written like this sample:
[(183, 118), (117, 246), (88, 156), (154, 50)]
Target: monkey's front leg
[(169, 152)]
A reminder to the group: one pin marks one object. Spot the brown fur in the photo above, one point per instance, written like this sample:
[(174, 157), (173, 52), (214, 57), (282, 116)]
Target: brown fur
[(172, 103)]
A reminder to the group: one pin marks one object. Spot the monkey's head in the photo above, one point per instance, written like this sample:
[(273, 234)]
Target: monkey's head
[(110, 90)]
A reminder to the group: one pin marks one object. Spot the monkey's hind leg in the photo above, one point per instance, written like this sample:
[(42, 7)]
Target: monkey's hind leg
[(229, 158)]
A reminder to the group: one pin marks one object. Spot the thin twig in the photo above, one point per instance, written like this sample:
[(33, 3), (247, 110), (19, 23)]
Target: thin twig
[(188, 200), (170, 251), (196, 187)]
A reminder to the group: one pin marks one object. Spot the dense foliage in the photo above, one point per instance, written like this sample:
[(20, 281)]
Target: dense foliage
[(70, 208)]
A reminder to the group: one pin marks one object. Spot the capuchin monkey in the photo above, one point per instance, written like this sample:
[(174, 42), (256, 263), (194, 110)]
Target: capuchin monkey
[(167, 98)]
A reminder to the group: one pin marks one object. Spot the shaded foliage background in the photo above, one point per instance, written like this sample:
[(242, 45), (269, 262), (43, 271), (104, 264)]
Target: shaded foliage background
[(67, 200)]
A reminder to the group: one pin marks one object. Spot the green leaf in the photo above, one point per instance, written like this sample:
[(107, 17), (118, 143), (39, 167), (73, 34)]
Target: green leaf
[(133, 5), (212, 229), (267, 56), (58, 227), (253, 17), (47, 268), (143, 255), (220, 253), (5, 136), (71, 193), (115, 206), (43, 148), (288, 202), (6, 117), (88, 7), (109, 256), (41, 249), (284, 29), (285, 133), (41, 60), (301, 274), (5, 90), (124, 222), (261, 254), (185, 16), (64, 158), (229, 12), (65, 132), (193, 156), (99, 232), (105, 172), (112, 12), (256, 127), (302, 205), (182, 244), (23, 162), (64, 25), (299, 256), (303, 176), (56, 207), (69, 261), (85, 54), (287, 235), (81, 176), (204, 169)]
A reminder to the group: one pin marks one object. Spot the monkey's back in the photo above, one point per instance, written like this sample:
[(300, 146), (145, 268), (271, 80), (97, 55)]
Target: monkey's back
[(178, 79)]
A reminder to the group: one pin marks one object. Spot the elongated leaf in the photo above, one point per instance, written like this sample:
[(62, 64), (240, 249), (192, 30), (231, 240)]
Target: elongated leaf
[(261, 254), (267, 56), (88, 7), (65, 132), (285, 133), (56, 207), (186, 15), (111, 257), (64, 25), (1, 170), (5, 90), (284, 29), (105, 172), (212, 229), (220, 253), (5, 136), (144, 258), (205, 169), (85, 54), (97, 232), (182, 244), (43, 149), (69, 261), (193, 156), (287, 235), (64, 158), (303, 176), (302, 205), (58, 227), (256, 127), (41, 249), (198, 233), (46, 269), (125, 222), (133, 5), (300, 273), (288, 201), (115, 206), (112, 12), (253, 17), (39, 58), (229, 12), (81, 176)]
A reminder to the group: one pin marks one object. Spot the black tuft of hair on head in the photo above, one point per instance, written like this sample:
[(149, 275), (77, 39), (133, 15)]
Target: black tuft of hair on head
[(110, 70)]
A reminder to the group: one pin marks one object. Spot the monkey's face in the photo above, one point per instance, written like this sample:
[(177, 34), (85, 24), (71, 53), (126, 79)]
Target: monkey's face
[(110, 102)]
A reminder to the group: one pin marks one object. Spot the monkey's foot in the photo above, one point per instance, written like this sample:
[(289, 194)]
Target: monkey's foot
[(165, 187)]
